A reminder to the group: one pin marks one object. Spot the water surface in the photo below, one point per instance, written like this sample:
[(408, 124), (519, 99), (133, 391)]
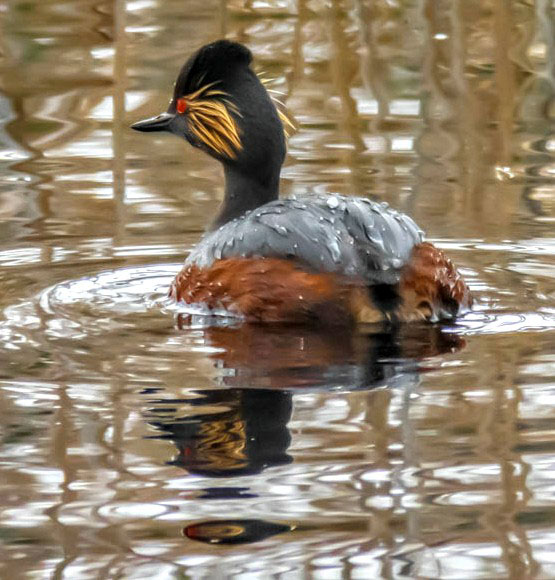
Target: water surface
[(137, 443)]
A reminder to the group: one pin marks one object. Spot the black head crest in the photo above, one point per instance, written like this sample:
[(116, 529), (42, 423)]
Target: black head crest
[(212, 63), (220, 106)]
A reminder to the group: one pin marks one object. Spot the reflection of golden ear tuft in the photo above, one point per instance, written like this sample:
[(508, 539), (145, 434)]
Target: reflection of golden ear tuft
[(289, 127)]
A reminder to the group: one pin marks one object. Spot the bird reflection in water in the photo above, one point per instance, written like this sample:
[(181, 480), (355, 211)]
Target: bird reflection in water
[(240, 427), (234, 531), (229, 432), (288, 357)]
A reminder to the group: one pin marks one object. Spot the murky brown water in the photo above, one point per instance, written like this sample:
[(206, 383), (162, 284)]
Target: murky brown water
[(135, 448)]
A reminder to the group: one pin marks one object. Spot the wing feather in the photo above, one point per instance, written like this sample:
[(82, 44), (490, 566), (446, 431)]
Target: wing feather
[(349, 236)]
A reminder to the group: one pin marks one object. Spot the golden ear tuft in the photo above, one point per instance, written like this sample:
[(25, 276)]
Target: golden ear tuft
[(289, 127), (211, 120)]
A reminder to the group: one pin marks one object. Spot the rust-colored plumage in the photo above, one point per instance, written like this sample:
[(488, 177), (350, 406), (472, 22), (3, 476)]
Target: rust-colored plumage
[(274, 290), (431, 287), (265, 290)]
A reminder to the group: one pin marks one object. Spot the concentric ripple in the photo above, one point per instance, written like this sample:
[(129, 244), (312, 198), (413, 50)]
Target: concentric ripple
[(112, 293)]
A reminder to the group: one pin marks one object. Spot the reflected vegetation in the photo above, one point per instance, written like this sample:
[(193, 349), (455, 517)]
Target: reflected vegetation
[(138, 440)]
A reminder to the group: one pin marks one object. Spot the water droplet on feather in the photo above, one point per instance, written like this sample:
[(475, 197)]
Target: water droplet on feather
[(332, 202), (279, 229)]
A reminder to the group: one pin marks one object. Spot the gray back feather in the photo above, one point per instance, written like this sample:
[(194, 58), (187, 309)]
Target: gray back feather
[(348, 236)]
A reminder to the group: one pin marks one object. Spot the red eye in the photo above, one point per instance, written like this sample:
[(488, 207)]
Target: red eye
[(182, 106)]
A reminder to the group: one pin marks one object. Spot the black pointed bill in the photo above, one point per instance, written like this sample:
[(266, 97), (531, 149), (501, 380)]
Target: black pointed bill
[(160, 123)]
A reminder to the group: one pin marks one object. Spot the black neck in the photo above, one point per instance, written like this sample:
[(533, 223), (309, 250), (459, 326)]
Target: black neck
[(244, 193)]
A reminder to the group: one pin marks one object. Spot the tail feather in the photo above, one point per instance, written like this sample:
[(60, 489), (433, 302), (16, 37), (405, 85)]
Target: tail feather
[(431, 288)]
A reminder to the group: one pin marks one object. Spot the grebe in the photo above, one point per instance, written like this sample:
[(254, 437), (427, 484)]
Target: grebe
[(325, 258)]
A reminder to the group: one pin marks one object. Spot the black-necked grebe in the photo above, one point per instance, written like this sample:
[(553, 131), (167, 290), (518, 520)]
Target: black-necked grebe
[(323, 258)]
